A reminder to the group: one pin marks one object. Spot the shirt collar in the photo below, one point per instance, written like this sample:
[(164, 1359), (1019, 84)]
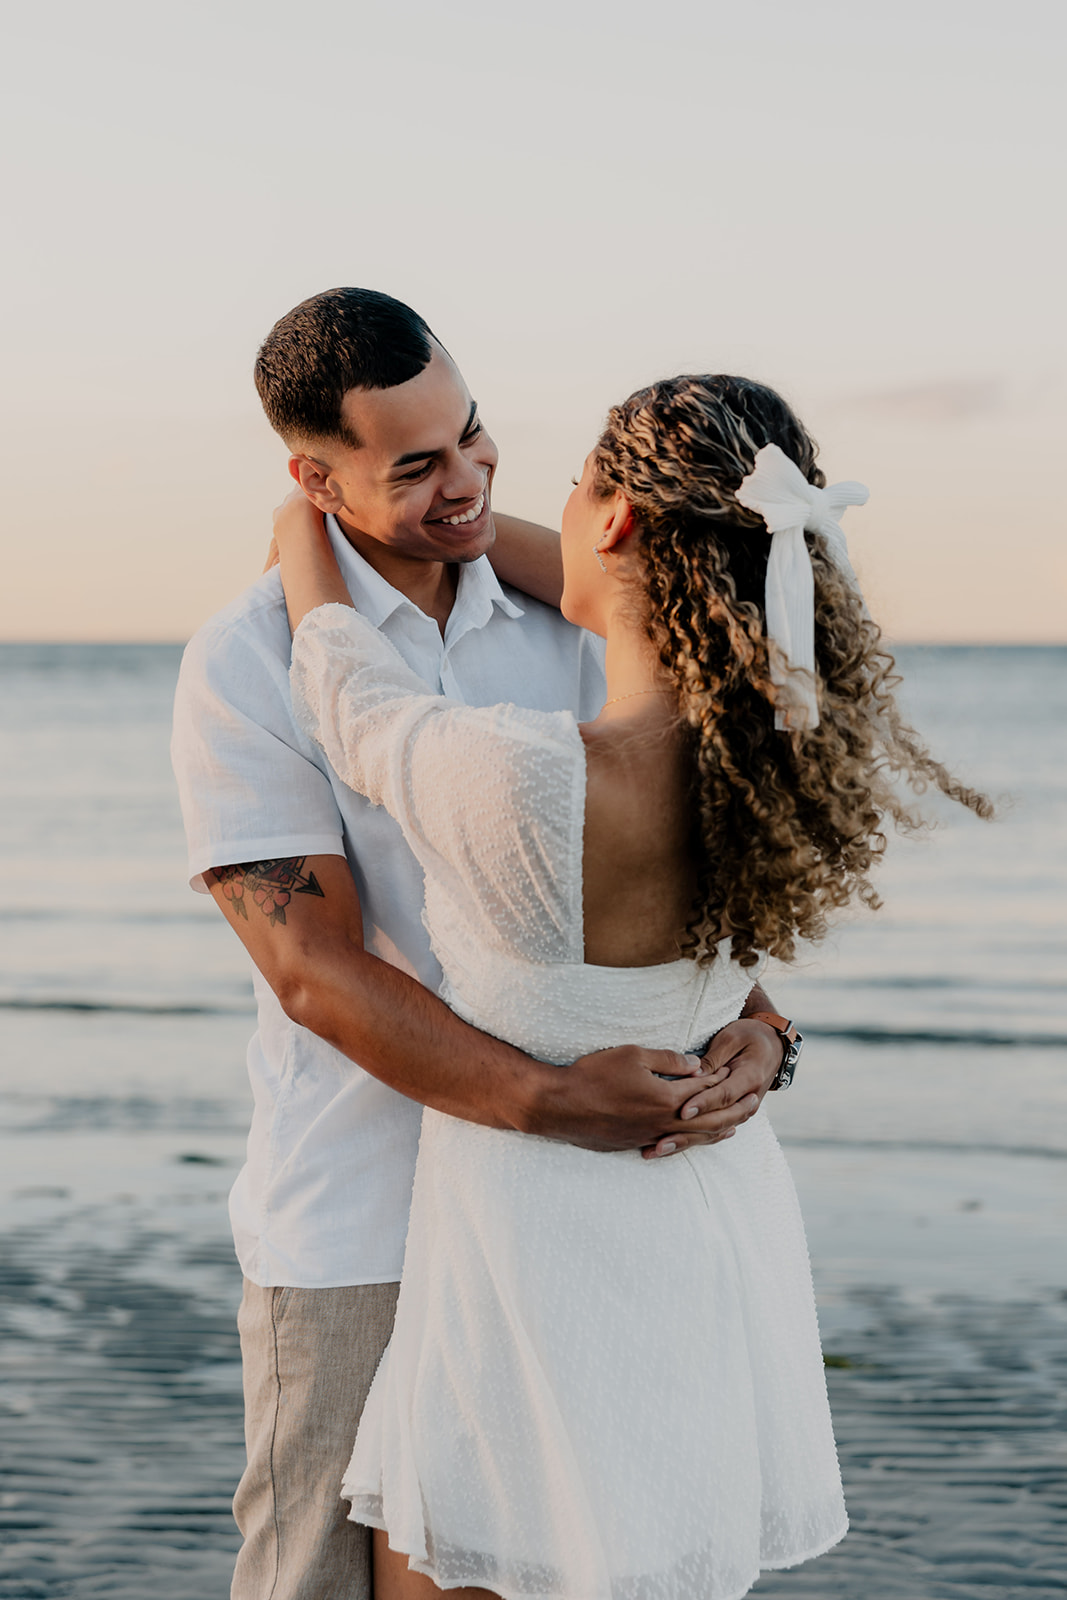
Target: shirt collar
[(376, 599)]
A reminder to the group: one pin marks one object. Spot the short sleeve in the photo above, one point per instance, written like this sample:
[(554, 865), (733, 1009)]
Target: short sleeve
[(491, 799), (251, 786)]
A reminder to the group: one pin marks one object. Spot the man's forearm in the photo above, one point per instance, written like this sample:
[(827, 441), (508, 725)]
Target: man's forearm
[(405, 1035), (300, 921), (616, 1099)]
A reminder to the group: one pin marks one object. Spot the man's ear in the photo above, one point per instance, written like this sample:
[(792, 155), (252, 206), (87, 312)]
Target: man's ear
[(619, 522), (314, 478)]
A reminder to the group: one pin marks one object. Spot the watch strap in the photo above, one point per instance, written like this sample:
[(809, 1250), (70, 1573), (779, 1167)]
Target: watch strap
[(791, 1038), (782, 1025)]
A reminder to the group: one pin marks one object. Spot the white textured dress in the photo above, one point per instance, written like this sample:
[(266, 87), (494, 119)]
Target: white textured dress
[(605, 1379)]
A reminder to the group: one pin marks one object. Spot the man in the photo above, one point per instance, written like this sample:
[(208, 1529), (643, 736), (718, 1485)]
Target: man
[(352, 1039)]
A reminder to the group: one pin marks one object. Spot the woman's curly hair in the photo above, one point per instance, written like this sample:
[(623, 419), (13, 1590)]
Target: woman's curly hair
[(787, 826)]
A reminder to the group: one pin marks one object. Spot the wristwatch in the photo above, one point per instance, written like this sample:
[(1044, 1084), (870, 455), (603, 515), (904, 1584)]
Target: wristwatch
[(792, 1044)]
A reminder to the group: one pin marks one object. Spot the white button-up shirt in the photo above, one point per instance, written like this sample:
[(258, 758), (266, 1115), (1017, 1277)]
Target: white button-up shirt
[(322, 1199)]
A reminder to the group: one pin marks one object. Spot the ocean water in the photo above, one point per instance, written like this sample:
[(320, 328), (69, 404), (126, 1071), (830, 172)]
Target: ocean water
[(927, 1131), (118, 984)]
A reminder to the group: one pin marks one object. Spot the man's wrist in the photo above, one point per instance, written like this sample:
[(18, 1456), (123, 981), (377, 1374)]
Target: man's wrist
[(792, 1041), (537, 1098)]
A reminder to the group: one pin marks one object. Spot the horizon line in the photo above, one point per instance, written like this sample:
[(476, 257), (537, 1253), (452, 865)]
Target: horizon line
[(892, 642)]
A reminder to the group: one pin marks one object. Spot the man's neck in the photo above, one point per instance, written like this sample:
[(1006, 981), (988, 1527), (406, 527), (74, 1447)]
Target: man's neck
[(430, 585)]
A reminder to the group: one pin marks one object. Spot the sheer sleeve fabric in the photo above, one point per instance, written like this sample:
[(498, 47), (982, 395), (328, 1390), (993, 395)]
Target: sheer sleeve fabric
[(491, 799)]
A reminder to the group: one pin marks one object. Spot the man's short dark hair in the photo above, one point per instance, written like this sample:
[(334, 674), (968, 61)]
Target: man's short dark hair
[(339, 340)]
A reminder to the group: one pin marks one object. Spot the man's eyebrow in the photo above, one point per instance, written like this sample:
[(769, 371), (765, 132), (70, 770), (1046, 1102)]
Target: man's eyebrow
[(426, 455)]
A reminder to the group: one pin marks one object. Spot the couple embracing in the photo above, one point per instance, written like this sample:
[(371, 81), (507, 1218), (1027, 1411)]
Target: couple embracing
[(509, 823)]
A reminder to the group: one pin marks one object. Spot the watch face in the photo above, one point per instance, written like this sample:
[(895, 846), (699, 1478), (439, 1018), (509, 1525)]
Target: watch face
[(789, 1060)]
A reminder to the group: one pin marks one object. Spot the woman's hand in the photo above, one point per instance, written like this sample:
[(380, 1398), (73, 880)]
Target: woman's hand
[(294, 518), (310, 574)]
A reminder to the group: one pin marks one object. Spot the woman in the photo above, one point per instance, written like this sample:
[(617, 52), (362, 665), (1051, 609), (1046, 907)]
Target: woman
[(605, 1381)]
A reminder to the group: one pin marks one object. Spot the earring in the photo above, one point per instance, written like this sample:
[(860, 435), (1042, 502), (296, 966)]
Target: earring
[(600, 558)]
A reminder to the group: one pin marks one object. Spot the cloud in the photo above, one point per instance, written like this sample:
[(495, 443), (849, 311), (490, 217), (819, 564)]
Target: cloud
[(952, 400)]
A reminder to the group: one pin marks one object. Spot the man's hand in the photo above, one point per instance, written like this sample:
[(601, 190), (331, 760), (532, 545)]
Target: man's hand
[(742, 1062), (617, 1099)]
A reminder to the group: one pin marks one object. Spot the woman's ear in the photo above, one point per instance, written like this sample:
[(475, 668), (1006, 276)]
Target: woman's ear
[(618, 522), (314, 478)]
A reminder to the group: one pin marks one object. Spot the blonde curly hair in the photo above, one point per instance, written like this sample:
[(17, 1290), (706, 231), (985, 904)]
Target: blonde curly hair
[(787, 826)]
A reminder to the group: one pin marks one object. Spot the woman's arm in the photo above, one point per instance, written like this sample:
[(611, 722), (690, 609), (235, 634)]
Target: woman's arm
[(310, 574), (527, 556)]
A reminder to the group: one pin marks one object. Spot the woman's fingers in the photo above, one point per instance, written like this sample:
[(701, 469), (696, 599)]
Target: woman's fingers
[(292, 498), (298, 519), (677, 1142), (273, 555)]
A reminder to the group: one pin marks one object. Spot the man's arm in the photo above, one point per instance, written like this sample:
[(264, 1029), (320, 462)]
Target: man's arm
[(301, 922)]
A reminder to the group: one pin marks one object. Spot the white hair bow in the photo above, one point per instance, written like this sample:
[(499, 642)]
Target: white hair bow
[(791, 506)]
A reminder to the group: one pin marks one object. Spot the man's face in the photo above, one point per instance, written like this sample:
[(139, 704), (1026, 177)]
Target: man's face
[(420, 480)]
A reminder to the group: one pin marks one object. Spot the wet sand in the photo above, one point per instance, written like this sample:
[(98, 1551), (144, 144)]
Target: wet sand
[(940, 1270), (120, 1397), (122, 1425)]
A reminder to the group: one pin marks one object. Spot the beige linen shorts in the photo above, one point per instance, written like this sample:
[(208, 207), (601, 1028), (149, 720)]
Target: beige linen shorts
[(309, 1356)]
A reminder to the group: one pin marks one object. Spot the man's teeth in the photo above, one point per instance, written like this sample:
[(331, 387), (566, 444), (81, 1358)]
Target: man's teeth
[(468, 516)]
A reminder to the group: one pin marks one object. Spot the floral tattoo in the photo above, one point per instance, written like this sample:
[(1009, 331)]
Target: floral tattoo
[(268, 885)]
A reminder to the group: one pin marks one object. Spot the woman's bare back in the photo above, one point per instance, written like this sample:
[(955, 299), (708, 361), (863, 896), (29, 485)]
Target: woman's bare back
[(637, 865)]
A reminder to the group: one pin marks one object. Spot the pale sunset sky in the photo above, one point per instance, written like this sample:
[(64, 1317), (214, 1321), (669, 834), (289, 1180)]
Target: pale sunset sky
[(860, 204)]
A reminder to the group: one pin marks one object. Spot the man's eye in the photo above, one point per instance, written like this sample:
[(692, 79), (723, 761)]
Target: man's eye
[(472, 433), (420, 472)]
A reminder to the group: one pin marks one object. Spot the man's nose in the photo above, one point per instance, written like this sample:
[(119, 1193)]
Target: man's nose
[(464, 480)]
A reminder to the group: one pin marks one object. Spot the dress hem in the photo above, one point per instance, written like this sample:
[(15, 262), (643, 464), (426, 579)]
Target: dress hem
[(427, 1569)]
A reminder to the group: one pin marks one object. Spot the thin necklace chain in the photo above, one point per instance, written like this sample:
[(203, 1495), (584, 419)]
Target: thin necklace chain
[(633, 695)]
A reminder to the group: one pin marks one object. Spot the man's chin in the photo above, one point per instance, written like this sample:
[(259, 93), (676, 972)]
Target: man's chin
[(485, 542), (465, 551)]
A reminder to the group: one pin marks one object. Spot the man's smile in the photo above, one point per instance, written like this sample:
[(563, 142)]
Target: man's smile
[(459, 519)]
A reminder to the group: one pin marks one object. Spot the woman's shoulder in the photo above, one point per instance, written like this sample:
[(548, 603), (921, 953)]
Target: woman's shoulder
[(515, 741)]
